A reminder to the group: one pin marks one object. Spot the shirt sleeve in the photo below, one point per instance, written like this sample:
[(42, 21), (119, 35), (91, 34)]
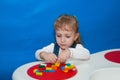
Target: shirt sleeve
[(79, 52), (48, 49)]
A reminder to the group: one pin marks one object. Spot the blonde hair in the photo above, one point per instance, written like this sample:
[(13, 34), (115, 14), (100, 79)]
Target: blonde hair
[(70, 21)]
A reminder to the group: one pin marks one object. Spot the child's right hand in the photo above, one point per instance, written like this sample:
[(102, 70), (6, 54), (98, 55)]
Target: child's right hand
[(64, 55), (49, 57)]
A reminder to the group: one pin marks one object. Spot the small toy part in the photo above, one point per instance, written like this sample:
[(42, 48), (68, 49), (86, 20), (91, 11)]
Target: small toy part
[(48, 68), (68, 67), (42, 65), (34, 71), (37, 72), (53, 67), (57, 64)]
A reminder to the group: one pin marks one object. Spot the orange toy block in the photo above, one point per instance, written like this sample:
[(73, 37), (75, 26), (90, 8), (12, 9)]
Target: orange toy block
[(54, 67), (57, 64)]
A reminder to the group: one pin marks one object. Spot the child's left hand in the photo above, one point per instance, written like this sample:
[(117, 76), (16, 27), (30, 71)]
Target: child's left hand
[(64, 55)]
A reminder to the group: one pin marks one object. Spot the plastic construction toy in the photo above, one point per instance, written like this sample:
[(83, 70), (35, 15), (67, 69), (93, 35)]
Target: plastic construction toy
[(48, 71), (53, 67), (37, 72), (68, 67)]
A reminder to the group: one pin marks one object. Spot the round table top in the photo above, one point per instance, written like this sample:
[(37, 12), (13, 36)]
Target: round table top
[(86, 69)]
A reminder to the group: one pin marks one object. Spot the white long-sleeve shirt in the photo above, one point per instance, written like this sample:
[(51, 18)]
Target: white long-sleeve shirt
[(79, 52)]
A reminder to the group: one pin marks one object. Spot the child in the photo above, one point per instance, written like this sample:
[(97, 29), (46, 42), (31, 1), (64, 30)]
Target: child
[(68, 42)]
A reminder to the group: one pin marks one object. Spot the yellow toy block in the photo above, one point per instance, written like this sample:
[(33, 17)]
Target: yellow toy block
[(48, 68), (57, 64), (39, 73)]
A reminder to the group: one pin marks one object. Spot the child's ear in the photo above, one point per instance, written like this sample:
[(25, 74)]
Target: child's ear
[(76, 36)]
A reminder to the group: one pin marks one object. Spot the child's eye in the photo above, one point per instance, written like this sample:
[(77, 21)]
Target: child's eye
[(67, 36), (58, 35)]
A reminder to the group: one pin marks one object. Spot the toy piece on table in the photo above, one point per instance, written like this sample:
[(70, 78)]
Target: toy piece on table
[(58, 71), (37, 72), (49, 71), (49, 67), (42, 65), (52, 67), (68, 67), (57, 64)]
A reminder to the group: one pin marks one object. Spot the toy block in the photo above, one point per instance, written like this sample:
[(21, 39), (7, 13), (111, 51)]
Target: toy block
[(39, 73), (57, 64), (68, 64), (71, 66), (65, 70), (34, 71), (48, 68), (62, 67), (54, 67), (52, 71), (37, 70), (74, 69), (42, 65)]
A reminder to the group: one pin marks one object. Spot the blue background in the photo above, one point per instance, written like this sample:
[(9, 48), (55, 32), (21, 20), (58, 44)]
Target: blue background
[(26, 25)]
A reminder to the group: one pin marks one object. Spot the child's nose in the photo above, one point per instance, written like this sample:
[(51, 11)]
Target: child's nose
[(62, 39)]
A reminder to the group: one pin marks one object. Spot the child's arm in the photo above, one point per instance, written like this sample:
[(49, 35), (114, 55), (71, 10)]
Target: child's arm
[(47, 49), (79, 52), (49, 57)]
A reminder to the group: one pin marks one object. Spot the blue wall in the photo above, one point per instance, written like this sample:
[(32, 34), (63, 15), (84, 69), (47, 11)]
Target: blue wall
[(26, 25)]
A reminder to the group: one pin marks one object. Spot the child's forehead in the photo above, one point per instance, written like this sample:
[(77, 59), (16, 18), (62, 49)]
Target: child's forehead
[(65, 28), (64, 32)]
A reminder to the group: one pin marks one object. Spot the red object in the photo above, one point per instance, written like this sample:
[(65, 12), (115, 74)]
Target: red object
[(113, 56), (58, 75)]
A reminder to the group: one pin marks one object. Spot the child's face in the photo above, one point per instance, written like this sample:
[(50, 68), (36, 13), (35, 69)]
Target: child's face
[(65, 38)]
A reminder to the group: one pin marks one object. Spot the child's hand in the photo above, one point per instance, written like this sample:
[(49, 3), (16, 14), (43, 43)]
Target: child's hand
[(50, 57), (63, 56)]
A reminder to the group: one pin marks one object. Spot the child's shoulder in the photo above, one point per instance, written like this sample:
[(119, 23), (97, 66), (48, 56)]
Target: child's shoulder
[(51, 44), (80, 45)]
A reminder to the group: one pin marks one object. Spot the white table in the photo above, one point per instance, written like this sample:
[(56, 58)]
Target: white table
[(87, 70)]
